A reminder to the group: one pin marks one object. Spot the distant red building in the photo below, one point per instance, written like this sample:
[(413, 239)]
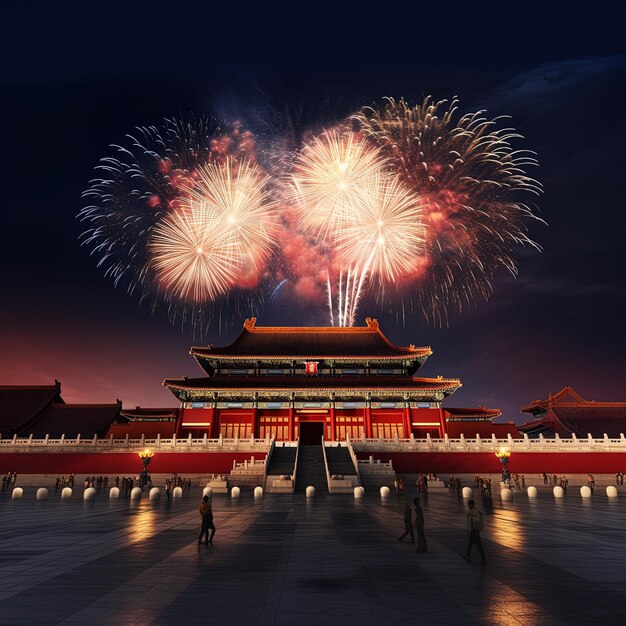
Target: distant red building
[(39, 410), (567, 412)]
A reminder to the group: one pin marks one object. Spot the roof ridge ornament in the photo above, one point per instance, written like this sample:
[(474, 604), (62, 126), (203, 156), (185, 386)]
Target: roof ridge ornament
[(249, 324), (372, 323)]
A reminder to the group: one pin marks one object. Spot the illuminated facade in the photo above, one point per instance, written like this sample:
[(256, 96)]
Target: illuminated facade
[(301, 382)]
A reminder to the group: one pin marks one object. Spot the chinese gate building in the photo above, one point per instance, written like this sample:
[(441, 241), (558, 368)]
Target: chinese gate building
[(306, 383)]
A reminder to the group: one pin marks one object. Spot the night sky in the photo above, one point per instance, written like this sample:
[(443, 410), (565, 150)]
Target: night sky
[(75, 81)]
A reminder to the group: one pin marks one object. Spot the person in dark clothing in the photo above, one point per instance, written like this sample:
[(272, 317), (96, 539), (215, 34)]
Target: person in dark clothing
[(207, 521), (408, 526), (474, 526), (422, 545)]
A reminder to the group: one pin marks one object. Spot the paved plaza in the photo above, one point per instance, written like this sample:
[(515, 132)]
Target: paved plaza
[(328, 560)]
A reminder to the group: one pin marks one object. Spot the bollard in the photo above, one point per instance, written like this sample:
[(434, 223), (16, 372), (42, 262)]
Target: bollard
[(585, 492), (558, 492), (467, 492), (42, 493), (310, 491), (207, 491), (359, 492), (384, 492), (155, 493), (18, 492), (114, 493), (532, 492), (177, 492), (611, 491), (135, 493), (506, 494), (66, 493), (234, 492), (89, 494), (258, 492)]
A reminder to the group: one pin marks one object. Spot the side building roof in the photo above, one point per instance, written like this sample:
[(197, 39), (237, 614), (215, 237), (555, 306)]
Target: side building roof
[(304, 343), (567, 412), (71, 420), (20, 405)]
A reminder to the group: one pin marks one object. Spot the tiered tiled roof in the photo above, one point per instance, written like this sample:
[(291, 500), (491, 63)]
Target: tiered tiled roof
[(20, 405), (305, 343)]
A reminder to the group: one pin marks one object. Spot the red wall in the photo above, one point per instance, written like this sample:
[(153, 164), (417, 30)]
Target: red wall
[(122, 462), (486, 462)]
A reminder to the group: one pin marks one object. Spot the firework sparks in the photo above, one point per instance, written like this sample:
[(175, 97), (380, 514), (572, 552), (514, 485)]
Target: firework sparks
[(415, 202), (222, 231), (150, 192), (331, 176), (346, 199), (470, 180)]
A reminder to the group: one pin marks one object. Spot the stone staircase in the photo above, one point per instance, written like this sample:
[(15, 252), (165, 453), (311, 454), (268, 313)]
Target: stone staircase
[(281, 469), (376, 475), (343, 474), (311, 469)]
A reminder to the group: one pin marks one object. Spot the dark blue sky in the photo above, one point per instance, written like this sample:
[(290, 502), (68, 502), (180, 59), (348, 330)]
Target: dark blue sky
[(75, 81)]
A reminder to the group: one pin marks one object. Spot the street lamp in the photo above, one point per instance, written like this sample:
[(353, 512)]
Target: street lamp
[(145, 456), (503, 456)]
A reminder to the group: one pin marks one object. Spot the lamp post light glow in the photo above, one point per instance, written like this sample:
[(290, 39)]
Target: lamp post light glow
[(145, 456), (503, 455)]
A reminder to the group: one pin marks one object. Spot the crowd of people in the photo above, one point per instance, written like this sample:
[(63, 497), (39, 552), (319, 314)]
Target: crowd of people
[(483, 485), (619, 478), (552, 480), (64, 481), (176, 481), (8, 479)]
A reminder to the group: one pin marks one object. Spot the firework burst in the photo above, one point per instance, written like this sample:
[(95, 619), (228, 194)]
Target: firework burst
[(471, 182), (350, 203), (141, 200), (331, 177), (220, 236)]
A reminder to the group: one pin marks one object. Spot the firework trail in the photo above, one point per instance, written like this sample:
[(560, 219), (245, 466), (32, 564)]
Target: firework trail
[(141, 200), (471, 182)]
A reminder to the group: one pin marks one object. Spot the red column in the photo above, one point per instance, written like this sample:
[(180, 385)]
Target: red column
[(333, 436), (290, 423), (179, 422), (368, 422), (442, 420), (255, 422), (215, 426), (408, 429)]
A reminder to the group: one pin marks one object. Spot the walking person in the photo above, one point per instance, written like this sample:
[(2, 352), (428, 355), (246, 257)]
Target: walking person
[(207, 522), (408, 526), (474, 526), (422, 545)]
